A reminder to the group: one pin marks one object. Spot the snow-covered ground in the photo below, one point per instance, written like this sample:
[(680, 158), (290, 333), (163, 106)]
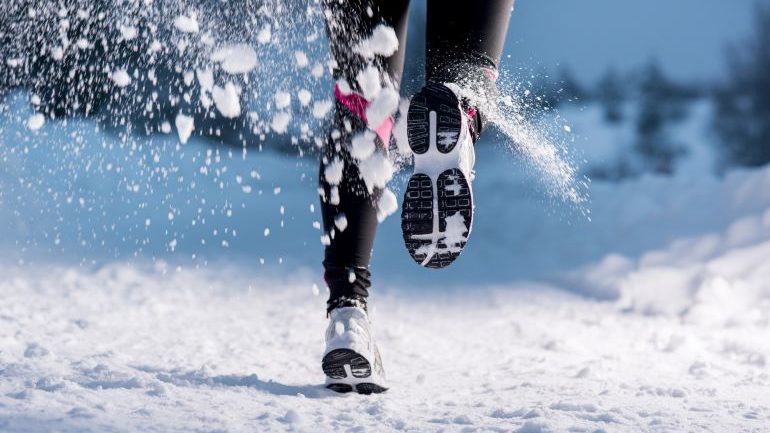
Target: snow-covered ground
[(134, 297), (131, 349)]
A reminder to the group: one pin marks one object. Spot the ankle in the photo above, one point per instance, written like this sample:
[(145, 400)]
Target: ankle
[(344, 302)]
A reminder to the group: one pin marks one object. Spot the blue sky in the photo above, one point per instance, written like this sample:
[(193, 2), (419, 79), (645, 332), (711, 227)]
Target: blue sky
[(688, 37)]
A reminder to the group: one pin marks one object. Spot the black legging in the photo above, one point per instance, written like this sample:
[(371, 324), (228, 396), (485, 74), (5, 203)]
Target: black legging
[(461, 36)]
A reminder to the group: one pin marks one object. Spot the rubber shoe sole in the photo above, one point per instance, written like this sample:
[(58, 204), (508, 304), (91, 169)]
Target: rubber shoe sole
[(348, 371), (437, 211)]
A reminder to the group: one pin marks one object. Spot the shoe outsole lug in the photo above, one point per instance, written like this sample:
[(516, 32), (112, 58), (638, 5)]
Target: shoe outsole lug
[(334, 363)]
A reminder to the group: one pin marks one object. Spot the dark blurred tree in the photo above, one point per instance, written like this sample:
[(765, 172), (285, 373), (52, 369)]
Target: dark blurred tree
[(742, 118), (611, 94), (662, 103)]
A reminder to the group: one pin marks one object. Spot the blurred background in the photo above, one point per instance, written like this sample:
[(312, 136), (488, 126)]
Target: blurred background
[(662, 105)]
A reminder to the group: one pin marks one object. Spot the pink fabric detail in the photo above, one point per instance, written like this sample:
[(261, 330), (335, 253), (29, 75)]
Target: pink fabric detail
[(471, 112), (472, 120), (354, 102), (385, 129), (357, 104)]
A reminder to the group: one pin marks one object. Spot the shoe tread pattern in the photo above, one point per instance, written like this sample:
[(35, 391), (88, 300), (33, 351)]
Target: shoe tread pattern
[(333, 365), (434, 97), (454, 196)]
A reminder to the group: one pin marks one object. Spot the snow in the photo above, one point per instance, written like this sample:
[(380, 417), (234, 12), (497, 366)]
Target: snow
[(205, 79), (382, 107), (227, 100), (382, 42), (236, 59), (186, 24), (280, 122), (341, 222), (400, 130), (322, 108), (128, 32), (376, 171), (178, 350), (333, 171), (35, 121), (362, 145), (344, 86), (317, 71), (264, 34), (282, 99), (301, 58), (184, 126), (304, 97), (369, 82), (387, 204), (121, 78)]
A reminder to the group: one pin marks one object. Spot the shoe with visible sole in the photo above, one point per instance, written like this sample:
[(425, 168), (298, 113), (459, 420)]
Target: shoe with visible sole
[(352, 361), (437, 212)]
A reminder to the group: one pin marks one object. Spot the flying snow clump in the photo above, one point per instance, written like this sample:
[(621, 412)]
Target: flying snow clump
[(280, 122), (382, 107), (187, 24), (382, 42), (227, 100), (236, 59), (369, 82), (282, 99), (121, 78), (386, 205), (184, 126), (35, 122), (362, 145), (333, 171)]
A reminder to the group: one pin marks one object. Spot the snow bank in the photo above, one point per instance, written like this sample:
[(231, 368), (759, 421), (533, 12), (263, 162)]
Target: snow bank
[(715, 275)]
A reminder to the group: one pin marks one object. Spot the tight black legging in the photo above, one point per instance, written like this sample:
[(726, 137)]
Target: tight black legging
[(461, 35)]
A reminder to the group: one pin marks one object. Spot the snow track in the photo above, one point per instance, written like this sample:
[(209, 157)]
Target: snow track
[(150, 349)]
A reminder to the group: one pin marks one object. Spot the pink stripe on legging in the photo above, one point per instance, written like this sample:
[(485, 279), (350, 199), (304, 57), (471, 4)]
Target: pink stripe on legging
[(357, 104)]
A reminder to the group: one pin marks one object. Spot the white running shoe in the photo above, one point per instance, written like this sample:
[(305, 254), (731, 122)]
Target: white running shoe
[(437, 212), (352, 361)]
